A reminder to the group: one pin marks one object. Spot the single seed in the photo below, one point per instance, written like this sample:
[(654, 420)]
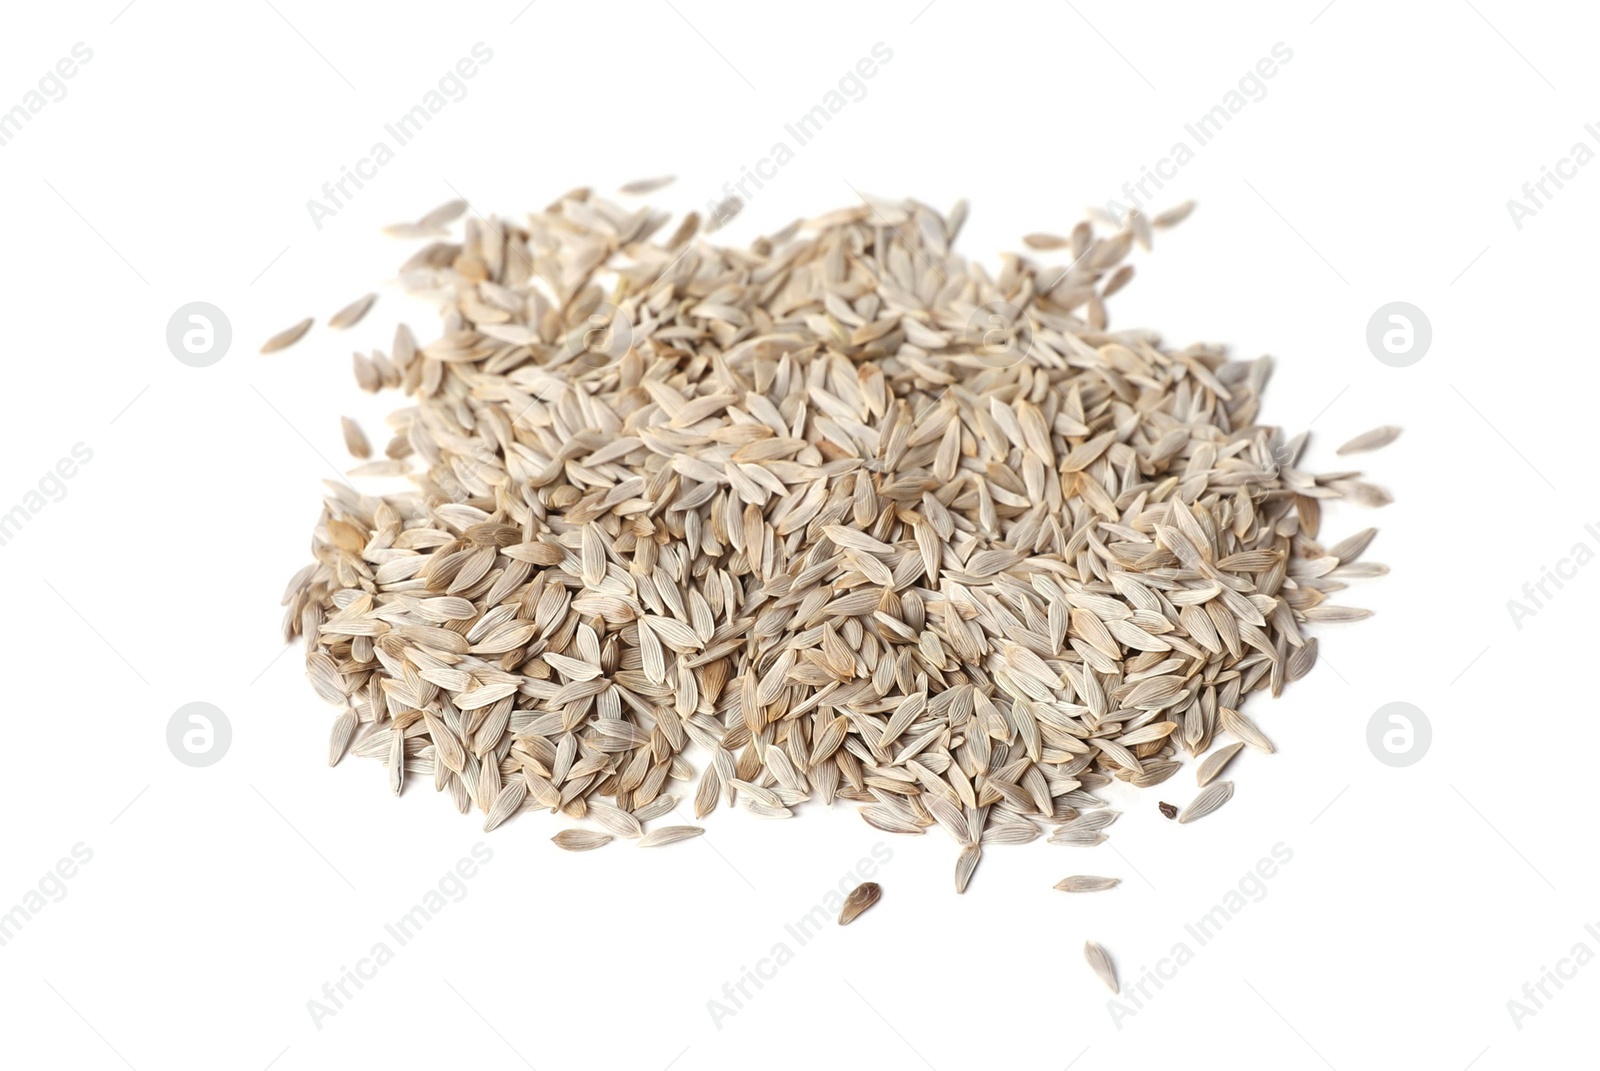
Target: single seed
[(1100, 961), (581, 840), (861, 897), (352, 313), (287, 337), (1087, 883), (669, 835)]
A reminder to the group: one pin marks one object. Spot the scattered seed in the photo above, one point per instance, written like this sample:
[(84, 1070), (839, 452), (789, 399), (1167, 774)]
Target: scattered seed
[(1170, 810), (861, 897), (1214, 763), (1046, 241), (1210, 798), (639, 187), (1100, 961), (581, 840), (352, 313), (1370, 440), (966, 863), (287, 337), (1087, 883), (1173, 216), (669, 835), (446, 213)]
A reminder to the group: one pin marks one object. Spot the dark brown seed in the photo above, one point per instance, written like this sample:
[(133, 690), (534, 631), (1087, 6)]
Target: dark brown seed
[(861, 897), (1168, 809)]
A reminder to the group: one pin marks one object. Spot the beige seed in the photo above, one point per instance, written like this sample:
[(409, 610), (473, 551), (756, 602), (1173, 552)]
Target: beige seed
[(966, 863), (669, 835), (352, 313), (581, 840), (355, 440), (1370, 440), (1210, 798), (639, 187), (1087, 883), (1100, 961), (287, 337), (1215, 762), (446, 213)]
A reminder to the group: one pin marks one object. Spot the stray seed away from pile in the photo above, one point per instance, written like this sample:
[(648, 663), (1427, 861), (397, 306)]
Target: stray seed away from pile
[(640, 187), (1100, 961), (1371, 440), (1087, 883), (432, 224), (352, 313), (840, 517), (287, 337), (861, 897)]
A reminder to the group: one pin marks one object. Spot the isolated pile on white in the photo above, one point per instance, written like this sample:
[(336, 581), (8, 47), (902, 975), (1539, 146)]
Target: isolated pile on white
[(861, 520)]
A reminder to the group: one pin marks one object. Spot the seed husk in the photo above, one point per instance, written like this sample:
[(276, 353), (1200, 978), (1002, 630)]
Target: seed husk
[(861, 897), (581, 840), (1046, 241), (447, 212), (966, 863), (639, 187), (1173, 216), (355, 440), (1087, 883), (669, 835), (1245, 729), (1100, 961), (1370, 440), (352, 313), (287, 337), (1214, 763), (506, 803), (1209, 799)]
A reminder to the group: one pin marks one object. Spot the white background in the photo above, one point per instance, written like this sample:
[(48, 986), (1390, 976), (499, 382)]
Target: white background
[(219, 901)]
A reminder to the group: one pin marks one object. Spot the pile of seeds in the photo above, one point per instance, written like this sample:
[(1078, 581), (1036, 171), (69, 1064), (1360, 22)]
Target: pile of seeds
[(859, 518)]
